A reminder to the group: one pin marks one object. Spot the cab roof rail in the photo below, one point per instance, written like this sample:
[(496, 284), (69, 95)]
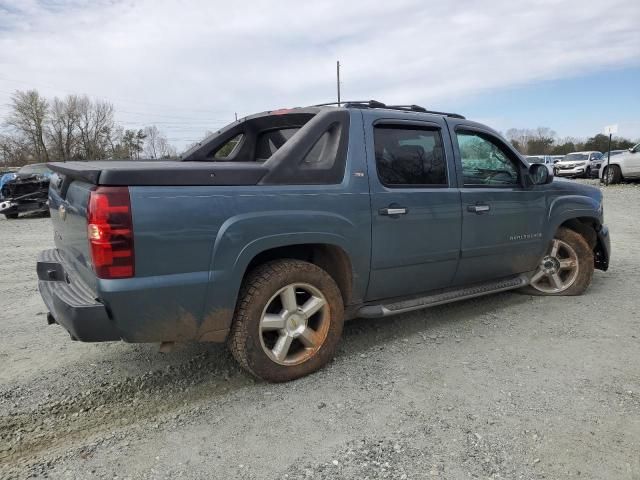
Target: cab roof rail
[(377, 104)]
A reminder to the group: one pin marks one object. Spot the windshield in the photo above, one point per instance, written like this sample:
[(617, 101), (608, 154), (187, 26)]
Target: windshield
[(37, 169), (572, 157)]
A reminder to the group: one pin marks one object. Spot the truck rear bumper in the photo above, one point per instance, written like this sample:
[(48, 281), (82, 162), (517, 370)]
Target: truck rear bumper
[(72, 304)]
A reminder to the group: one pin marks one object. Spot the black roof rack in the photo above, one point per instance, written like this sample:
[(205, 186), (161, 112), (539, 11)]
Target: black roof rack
[(376, 104)]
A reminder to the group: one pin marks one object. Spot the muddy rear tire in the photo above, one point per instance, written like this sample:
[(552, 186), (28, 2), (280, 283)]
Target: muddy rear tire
[(288, 320), (567, 267)]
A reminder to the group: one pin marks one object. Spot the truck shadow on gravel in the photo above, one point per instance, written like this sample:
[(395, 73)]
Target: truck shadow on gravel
[(195, 374)]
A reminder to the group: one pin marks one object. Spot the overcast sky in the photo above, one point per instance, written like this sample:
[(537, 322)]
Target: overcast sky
[(187, 66)]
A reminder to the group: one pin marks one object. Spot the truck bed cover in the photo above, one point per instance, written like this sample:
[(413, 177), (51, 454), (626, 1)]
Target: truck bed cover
[(134, 173)]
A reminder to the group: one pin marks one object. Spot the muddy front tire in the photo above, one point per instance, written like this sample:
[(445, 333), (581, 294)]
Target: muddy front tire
[(288, 320), (566, 268)]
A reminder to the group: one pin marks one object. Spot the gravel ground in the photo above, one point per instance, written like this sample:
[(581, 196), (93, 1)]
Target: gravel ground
[(507, 386)]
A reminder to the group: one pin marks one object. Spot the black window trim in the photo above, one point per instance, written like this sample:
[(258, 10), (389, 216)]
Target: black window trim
[(411, 125), (514, 157)]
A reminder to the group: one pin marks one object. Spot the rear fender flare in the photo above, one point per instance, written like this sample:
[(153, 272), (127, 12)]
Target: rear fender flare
[(237, 244)]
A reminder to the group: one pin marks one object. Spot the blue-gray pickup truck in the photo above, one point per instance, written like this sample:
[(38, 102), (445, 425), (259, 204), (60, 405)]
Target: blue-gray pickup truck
[(275, 229)]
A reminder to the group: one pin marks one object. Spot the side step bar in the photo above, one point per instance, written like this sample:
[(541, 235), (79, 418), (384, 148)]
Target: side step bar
[(477, 290)]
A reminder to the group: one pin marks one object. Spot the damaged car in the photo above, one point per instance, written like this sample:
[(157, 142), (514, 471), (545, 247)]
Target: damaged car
[(26, 192)]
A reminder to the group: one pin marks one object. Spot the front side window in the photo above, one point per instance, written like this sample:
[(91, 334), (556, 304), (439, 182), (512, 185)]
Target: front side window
[(409, 156), (484, 162)]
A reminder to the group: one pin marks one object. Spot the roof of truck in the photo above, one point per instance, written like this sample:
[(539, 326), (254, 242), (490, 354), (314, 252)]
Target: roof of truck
[(374, 104)]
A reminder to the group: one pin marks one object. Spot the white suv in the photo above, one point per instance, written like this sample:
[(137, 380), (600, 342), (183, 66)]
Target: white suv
[(623, 165), (578, 164)]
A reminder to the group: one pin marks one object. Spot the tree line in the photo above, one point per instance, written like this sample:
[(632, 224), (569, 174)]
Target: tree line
[(544, 141), (37, 129)]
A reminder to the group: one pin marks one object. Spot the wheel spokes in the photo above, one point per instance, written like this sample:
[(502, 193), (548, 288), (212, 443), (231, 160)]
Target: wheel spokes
[(271, 321), (310, 338), (555, 246), (281, 348), (567, 264), (288, 299), (538, 276), (294, 324), (312, 306), (556, 281)]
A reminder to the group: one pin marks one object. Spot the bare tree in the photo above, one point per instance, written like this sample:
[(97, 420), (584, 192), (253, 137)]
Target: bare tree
[(64, 127), (15, 151), (95, 125), (28, 117), (156, 145)]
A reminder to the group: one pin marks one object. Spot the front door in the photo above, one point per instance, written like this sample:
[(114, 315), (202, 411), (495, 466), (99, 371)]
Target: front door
[(502, 222), (416, 212)]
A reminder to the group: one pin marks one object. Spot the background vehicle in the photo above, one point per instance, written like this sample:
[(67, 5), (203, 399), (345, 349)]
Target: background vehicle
[(625, 164), (5, 176), (273, 231), (25, 191), (544, 159), (578, 164)]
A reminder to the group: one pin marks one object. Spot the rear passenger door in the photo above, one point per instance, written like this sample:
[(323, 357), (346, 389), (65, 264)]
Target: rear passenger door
[(502, 222), (415, 207)]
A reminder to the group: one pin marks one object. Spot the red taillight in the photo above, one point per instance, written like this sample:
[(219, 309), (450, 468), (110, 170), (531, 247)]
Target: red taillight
[(110, 232)]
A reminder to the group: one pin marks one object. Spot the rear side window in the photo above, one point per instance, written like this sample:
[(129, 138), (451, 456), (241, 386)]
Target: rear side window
[(270, 141), (229, 149), (409, 156)]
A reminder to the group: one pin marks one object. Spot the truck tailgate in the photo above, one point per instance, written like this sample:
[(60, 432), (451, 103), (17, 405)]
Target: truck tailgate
[(68, 200)]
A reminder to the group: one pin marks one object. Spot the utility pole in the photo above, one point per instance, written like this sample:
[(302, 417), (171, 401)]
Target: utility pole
[(338, 79), (606, 177), (609, 129), (236, 116)]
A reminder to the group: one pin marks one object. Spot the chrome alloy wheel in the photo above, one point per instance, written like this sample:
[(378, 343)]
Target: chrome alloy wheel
[(558, 269), (294, 324)]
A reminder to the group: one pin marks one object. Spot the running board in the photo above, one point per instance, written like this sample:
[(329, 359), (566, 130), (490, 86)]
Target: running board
[(477, 290)]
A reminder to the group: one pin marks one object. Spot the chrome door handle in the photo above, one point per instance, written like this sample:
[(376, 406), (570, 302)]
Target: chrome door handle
[(479, 209), (391, 211)]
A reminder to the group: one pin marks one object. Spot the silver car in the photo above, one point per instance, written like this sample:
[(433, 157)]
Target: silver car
[(545, 159), (623, 165), (578, 164)]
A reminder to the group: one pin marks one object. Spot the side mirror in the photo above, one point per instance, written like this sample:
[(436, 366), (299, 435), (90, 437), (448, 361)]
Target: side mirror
[(540, 174)]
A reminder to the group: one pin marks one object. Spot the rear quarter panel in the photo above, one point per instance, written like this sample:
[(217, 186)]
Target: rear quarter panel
[(193, 244)]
